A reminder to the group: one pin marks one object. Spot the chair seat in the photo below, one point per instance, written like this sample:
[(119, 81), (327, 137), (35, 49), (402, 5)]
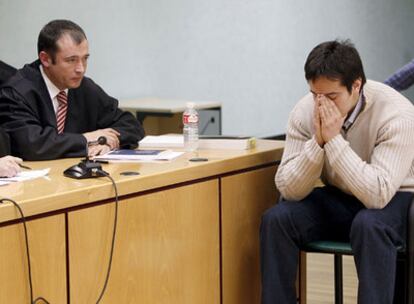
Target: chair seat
[(329, 247), (333, 247)]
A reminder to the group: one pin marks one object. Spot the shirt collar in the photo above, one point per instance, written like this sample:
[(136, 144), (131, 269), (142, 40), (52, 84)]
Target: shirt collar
[(357, 110), (52, 89)]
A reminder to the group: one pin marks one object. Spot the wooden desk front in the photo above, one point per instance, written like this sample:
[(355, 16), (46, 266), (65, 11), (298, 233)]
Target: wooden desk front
[(187, 232)]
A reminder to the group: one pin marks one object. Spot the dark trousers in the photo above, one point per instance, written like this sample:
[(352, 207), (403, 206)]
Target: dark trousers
[(329, 214)]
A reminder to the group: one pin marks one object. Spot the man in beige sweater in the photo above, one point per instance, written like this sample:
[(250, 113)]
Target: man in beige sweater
[(358, 137)]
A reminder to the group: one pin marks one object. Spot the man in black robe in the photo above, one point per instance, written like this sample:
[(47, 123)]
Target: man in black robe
[(51, 110)]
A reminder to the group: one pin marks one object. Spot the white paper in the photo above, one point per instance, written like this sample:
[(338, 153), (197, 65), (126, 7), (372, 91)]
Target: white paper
[(161, 155), (171, 141), (25, 175)]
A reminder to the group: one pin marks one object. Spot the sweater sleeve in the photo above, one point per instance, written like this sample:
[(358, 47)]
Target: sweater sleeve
[(375, 183), (403, 78), (302, 162)]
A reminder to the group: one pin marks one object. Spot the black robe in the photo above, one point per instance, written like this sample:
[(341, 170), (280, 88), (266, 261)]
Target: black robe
[(27, 115), (6, 71)]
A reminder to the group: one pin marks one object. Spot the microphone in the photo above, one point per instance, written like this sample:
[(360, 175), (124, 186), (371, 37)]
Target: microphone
[(100, 141)]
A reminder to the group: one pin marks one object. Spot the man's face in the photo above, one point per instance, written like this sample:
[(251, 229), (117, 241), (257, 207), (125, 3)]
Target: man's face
[(324, 87), (69, 67)]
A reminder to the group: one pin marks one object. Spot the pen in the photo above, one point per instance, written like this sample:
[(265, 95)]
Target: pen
[(25, 167), (101, 161)]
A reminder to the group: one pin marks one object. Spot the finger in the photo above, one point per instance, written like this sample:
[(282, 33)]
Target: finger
[(112, 138), (111, 131), (16, 168), (12, 158), (113, 143), (91, 151), (323, 113), (335, 110), (104, 150), (317, 114), (11, 169), (321, 98), (115, 132), (17, 160), (328, 109)]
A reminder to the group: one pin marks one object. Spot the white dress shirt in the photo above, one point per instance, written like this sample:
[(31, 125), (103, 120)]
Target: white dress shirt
[(52, 89)]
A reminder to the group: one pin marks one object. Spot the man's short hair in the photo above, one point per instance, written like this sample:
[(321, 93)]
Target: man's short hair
[(337, 60), (51, 33)]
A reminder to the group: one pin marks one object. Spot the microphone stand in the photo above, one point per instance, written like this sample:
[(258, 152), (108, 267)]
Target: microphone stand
[(87, 168), (91, 165)]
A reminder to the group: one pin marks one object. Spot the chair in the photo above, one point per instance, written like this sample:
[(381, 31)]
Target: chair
[(405, 265)]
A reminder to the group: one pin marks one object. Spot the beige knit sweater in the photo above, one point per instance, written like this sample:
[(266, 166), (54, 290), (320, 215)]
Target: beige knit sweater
[(372, 160)]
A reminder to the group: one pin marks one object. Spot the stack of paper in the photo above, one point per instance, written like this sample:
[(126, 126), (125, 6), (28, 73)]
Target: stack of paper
[(168, 141), (139, 155), (227, 142), (205, 142)]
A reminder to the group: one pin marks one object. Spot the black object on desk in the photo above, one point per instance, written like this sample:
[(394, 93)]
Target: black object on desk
[(85, 169), (198, 159)]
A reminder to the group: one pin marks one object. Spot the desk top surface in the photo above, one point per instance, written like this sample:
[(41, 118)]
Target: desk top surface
[(159, 105), (56, 192)]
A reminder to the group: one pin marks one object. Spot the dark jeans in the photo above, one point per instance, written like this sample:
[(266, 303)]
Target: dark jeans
[(329, 214)]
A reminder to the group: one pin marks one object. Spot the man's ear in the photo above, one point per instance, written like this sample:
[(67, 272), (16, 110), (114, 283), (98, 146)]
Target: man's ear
[(356, 86), (45, 59)]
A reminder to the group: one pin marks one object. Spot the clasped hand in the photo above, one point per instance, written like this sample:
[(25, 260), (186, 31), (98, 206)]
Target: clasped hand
[(112, 141), (327, 119)]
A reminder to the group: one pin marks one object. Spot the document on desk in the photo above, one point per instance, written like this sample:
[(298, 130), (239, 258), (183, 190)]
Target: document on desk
[(24, 176), (205, 142), (139, 155), (162, 141)]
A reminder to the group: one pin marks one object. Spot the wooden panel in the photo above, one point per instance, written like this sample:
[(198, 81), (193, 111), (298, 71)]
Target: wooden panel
[(244, 199), (157, 125), (48, 258), (167, 248)]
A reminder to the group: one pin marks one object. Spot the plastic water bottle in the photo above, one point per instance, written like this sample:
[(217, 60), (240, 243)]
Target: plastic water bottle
[(190, 129)]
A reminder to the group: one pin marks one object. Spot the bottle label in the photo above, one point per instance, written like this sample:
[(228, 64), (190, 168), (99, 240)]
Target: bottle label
[(187, 118)]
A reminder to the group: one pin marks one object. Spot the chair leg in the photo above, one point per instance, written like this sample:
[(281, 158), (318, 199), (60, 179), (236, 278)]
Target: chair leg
[(301, 282), (338, 279)]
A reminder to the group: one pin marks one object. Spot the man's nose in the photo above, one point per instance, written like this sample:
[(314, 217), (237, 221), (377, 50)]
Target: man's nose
[(80, 67)]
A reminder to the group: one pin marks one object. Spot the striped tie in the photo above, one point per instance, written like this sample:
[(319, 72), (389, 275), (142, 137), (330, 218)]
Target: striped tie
[(61, 112)]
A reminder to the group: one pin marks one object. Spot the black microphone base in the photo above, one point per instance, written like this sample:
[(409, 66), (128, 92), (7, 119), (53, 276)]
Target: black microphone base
[(85, 169)]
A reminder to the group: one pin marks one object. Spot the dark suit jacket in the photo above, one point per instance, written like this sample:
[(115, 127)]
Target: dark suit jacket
[(26, 113), (6, 71), (4, 143)]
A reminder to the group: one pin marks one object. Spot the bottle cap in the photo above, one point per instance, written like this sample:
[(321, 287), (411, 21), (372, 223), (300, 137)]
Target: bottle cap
[(190, 104)]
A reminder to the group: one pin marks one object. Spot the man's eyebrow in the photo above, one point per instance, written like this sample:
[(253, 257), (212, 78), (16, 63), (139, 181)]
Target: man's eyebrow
[(77, 56), (330, 93), (72, 56)]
